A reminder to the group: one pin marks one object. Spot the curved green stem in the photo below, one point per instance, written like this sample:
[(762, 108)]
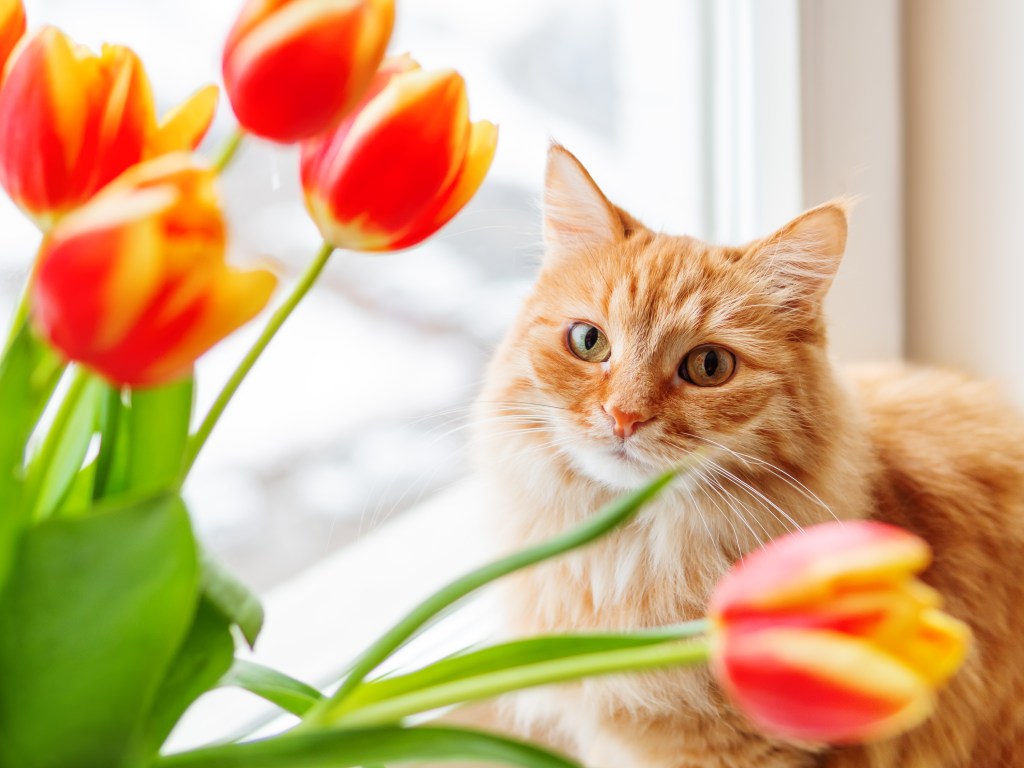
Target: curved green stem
[(226, 152), (282, 313)]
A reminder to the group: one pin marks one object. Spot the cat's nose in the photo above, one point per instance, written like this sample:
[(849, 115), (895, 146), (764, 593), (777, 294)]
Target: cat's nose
[(625, 422)]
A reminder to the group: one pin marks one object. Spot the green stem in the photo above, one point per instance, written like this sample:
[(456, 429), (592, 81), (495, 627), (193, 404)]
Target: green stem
[(612, 515), (278, 319), (20, 314), (39, 467), (24, 305), (675, 653), (226, 152)]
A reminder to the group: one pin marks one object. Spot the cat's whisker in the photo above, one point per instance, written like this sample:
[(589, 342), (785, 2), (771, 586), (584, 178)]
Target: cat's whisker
[(712, 482), (694, 505), (526, 404), (703, 486), (768, 504), (522, 419), (780, 473)]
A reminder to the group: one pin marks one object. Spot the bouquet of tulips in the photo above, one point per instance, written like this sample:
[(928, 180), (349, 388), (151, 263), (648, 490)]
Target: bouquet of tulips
[(113, 621)]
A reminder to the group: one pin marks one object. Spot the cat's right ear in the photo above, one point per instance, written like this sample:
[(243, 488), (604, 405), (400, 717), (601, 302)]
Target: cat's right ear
[(577, 215)]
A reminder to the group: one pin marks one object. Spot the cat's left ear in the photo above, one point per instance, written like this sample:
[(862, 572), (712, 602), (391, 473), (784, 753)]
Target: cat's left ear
[(802, 258), (577, 215)]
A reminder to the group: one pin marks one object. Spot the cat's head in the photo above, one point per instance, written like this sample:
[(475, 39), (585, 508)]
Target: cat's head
[(635, 347)]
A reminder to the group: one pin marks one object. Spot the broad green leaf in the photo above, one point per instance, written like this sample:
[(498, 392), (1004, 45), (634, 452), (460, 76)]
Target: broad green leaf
[(93, 612), (614, 514), (52, 470), (506, 656), (204, 657), (231, 597), (158, 434), (276, 687), (346, 749), (29, 372)]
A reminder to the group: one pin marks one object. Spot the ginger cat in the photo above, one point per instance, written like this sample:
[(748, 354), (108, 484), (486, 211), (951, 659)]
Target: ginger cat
[(634, 349)]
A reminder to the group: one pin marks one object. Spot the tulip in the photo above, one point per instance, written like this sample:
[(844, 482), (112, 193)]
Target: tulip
[(825, 636), (400, 166), (293, 68), (71, 121), (12, 27), (134, 284)]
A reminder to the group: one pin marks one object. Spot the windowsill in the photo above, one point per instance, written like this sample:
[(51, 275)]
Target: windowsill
[(317, 622)]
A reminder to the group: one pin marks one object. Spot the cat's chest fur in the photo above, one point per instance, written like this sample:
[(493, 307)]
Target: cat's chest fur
[(660, 567)]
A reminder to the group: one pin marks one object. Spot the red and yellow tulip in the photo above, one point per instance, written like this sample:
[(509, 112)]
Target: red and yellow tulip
[(71, 121), (12, 27), (294, 68), (135, 285), (399, 167), (826, 636)]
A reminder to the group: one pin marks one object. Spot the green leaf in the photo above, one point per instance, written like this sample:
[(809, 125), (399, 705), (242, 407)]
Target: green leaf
[(345, 749), (112, 459), (231, 597), (501, 680), (512, 655), (158, 435), (52, 470), (79, 500), (276, 687), (29, 372), (204, 657), (94, 610), (614, 514)]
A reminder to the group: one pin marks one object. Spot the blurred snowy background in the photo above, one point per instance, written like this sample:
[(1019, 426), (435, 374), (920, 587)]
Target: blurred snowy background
[(357, 410)]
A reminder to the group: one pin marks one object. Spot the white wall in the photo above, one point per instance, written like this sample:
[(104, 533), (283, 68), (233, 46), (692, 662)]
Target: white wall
[(852, 137), (965, 174)]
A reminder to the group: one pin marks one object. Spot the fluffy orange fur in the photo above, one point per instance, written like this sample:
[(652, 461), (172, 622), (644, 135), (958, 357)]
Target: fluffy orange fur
[(789, 440)]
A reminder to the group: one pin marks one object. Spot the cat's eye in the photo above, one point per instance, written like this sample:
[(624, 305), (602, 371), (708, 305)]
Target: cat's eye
[(708, 366), (589, 343)]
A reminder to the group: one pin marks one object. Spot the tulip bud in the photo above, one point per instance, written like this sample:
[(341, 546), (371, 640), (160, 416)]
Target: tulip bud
[(825, 636), (400, 166), (134, 284), (72, 121), (294, 68), (12, 27)]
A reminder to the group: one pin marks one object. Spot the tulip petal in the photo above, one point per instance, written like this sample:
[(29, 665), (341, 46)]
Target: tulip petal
[(43, 108), (483, 141), (297, 70), (127, 119), (72, 121), (231, 299), (937, 647), (803, 568), (12, 27), (249, 16), (820, 686), (134, 283), (184, 127), (412, 136), (112, 249)]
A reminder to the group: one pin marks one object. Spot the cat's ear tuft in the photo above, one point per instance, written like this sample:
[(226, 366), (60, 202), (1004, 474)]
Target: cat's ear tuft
[(577, 215), (802, 258)]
